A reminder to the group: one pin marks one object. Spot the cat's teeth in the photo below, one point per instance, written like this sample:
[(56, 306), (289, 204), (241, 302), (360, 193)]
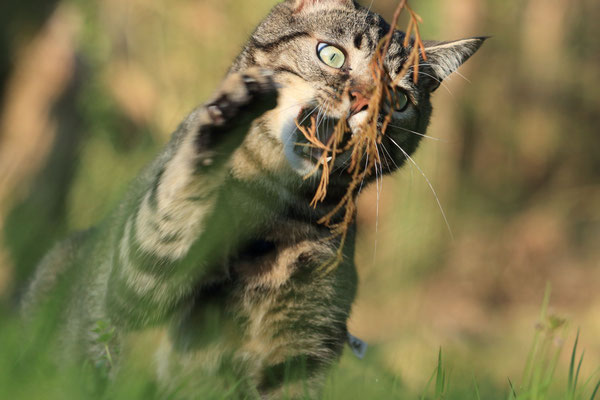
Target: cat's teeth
[(329, 158)]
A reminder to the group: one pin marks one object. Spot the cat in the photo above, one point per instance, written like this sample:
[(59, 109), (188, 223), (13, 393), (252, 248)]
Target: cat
[(216, 240)]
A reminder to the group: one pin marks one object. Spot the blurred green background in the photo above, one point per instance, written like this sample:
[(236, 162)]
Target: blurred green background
[(90, 90)]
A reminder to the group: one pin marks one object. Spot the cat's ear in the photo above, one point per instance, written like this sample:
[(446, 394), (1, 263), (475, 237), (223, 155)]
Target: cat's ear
[(443, 58), (300, 5)]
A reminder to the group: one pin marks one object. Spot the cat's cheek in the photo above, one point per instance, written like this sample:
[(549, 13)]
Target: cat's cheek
[(282, 122), (404, 126), (289, 139), (406, 117)]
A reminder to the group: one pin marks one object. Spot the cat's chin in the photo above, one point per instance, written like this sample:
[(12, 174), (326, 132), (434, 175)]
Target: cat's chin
[(357, 120)]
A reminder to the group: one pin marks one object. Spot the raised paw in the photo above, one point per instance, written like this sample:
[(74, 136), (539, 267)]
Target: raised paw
[(225, 121), (243, 95)]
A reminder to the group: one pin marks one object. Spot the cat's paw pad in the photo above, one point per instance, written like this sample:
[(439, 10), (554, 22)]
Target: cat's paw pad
[(253, 90)]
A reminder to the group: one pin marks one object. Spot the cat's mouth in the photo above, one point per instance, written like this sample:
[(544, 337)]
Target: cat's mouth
[(323, 128)]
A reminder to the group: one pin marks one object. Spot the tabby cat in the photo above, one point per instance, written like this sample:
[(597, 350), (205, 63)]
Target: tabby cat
[(216, 240)]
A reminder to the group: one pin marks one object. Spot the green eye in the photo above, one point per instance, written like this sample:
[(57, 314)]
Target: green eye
[(400, 100), (331, 55)]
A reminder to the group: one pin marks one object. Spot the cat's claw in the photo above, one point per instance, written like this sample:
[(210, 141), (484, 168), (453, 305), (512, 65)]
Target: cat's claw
[(215, 114), (251, 93), (227, 118)]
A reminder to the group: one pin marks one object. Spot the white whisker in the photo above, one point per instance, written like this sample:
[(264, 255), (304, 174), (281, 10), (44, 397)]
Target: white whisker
[(439, 81), (437, 199), (278, 112), (455, 72), (389, 156), (363, 179), (432, 77), (462, 76), (417, 133), (292, 136), (369, 10), (379, 183)]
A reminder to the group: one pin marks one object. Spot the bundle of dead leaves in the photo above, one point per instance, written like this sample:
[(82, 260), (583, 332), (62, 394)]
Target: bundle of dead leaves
[(362, 145)]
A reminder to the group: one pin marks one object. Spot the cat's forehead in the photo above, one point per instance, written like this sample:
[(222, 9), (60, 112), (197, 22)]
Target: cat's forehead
[(334, 24), (340, 24)]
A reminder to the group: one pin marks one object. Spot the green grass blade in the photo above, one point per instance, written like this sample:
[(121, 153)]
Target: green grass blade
[(476, 386), (595, 391), (577, 373), (534, 350), (550, 371), (570, 382), (440, 377), (513, 393), (590, 378), (433, 374)]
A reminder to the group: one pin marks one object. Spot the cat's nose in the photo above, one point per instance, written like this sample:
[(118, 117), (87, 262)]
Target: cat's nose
[(359, 102)]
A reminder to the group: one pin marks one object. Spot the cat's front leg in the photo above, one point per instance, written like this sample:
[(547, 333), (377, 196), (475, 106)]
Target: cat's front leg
[(167, 243), (224, 121)]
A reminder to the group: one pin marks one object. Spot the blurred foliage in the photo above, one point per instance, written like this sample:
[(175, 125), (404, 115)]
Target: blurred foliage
[(92, 89), (19, 21)]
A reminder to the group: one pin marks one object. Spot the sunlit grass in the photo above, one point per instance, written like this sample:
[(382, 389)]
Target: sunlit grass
[(30, 369)]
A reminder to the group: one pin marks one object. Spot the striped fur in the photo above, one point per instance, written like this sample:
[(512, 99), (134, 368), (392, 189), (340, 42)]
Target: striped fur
[(215, 239)]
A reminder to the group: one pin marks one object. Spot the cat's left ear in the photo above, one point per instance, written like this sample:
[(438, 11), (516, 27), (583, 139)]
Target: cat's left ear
[(300, 5), (443, 58)]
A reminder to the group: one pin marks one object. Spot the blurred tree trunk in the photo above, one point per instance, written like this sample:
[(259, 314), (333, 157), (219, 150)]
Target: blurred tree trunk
[(56, 103), (20, 20), (41, 131), (34, 224)]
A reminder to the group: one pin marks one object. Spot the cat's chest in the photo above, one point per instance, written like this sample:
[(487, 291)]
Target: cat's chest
[(277, 304)]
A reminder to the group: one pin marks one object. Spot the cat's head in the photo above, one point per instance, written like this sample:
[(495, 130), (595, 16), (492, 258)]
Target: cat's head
[(321, 51)]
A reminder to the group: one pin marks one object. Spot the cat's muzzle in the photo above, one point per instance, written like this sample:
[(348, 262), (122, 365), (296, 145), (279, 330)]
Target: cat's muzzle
[(325, 128)]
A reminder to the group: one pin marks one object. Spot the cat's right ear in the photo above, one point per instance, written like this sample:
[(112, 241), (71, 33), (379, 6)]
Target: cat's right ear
[(443, 58), (303, 5)]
